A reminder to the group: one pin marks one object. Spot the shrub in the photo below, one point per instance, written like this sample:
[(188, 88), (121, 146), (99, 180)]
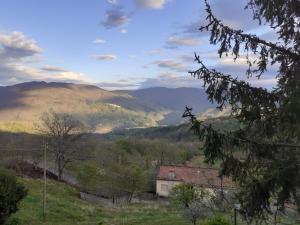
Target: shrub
[(184, 194), (12, 221), (88, 176), (11, 193)]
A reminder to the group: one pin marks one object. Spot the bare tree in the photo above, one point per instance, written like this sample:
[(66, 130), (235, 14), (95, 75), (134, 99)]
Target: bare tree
[(64, 136), (195, 211)]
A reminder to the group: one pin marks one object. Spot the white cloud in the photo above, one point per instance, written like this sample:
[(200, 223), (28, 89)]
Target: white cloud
[(17, 57), (115, 17), (152, 4), (157, 51), (114, 2), (171, 64), (171, 80), (182, 41), (105, 57), (174, 80), (268, 82), (53, 68), (70, 75), (123, 31), (99, 41), (166, 79), (241, 60), (16, 52), (16, 45), (119, 84), (187, 58)]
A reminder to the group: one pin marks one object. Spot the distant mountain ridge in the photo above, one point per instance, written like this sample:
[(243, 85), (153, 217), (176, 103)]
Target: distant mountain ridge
[(23, 104), (174, 98)]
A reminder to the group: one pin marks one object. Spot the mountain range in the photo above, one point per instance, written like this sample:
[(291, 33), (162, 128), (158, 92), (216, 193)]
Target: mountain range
[(22, 105)]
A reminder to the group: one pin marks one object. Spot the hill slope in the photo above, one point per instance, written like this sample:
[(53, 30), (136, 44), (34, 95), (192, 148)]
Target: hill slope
[(174, 99), (23, 104)]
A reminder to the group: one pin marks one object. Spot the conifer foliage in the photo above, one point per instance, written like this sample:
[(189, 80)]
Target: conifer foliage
[(263, 156)]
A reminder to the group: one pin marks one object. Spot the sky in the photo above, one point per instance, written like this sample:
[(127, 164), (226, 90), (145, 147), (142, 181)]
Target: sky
[(117, 44)]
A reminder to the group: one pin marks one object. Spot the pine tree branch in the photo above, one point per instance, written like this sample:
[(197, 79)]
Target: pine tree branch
[(284, 17), (197, 126), (203, 69), (224, 89), (248, 38)]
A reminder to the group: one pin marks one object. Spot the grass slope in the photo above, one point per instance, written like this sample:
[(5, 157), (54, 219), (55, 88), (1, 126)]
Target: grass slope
[(65, 208)]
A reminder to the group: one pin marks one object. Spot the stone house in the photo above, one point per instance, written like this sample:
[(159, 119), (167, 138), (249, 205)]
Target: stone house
[(170, 176)]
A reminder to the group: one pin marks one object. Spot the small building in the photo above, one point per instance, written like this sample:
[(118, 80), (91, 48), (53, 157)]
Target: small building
[(170, 176)]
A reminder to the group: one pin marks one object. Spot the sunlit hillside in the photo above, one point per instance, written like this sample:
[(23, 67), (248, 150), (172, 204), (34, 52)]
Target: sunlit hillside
[(102, 110)]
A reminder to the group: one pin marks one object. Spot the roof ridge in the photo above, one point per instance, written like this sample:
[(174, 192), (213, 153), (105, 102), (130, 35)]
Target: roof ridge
[(199, 167)]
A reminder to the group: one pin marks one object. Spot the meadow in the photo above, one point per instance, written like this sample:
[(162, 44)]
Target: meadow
[(64, 207)]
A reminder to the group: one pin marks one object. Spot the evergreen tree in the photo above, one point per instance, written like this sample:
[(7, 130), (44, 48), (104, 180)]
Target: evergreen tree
[(269, 170)]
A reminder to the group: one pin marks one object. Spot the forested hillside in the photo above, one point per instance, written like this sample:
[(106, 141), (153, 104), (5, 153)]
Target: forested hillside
[(102, 110)]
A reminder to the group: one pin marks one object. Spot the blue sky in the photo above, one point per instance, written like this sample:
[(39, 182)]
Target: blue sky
[(116, 44)]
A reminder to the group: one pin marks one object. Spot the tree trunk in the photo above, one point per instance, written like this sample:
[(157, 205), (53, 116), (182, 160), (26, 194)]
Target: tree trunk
[(130, 197), (194, 221), (59, 169), (59, 177)]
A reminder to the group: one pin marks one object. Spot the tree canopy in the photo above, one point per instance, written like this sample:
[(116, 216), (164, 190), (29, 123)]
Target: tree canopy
[(268, 172)]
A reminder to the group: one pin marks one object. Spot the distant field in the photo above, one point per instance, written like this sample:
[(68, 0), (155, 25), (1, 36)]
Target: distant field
[(65, 208)]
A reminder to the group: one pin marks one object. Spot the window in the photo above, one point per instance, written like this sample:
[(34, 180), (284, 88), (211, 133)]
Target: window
[(164, 187)]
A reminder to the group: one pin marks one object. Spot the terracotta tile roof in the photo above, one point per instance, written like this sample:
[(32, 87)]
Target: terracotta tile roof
[(206, 177)]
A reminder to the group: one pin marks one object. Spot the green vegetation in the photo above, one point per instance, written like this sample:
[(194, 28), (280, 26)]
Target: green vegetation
[(179, 133), (190, 200), (216, 221), (184, 194), (65, 208), (11, 193)]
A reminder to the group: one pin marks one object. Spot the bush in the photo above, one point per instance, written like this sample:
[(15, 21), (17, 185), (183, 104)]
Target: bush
[(88, 176), (11, 193), (13, 221), (216, 221), (184, 194)]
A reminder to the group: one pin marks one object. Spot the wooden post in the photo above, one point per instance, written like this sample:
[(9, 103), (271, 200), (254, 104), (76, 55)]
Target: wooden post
[(235, 216), (236, 208), (45, 179)]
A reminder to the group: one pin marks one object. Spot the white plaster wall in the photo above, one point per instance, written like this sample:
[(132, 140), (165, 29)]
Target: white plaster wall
[(170, 184)]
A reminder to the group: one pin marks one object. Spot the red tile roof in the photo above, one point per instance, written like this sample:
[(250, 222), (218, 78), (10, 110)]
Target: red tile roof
[(206, 177)]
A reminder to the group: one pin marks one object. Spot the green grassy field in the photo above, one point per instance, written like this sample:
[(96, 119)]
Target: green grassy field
[(64, 207)]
